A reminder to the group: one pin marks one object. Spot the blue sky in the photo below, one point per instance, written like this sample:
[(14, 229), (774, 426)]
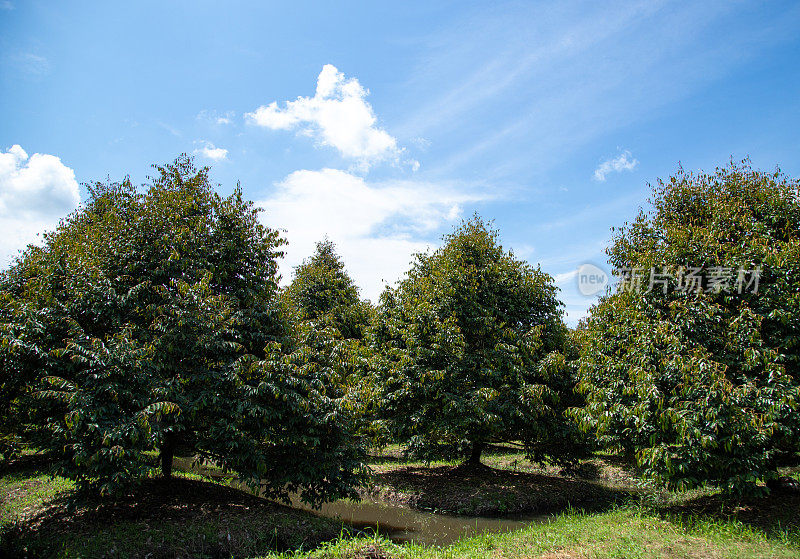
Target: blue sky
[(403, 118)]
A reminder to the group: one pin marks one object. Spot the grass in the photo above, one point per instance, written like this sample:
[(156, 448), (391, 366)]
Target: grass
[(619, 534), (24, 493), (187, 517), (196, 516), (613, 470), (509, 484)]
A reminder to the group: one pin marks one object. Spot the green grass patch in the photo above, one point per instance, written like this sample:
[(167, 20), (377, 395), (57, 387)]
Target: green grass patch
[(185, 517), (620, 534), (25, 493), (201, 514)]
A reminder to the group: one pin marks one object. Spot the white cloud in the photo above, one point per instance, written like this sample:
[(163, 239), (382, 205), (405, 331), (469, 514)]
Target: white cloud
[(210, 151), (377, 227), (623, 162), (171, 129), (36, 185), (215, 117), (338, 116), (569, 75), (35, 192), (561, 279), (30, 63)]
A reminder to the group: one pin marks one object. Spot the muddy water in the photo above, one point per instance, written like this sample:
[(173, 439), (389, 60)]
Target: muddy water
[(398, 523), (402, 524)]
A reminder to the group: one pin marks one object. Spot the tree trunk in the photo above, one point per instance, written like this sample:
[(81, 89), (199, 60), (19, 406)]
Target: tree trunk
[(167, 453), (475, 455)]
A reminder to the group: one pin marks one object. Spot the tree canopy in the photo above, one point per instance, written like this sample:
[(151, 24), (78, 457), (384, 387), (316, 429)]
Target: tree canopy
[(699, 377), (322, 291), (469, 352), (151, 319)]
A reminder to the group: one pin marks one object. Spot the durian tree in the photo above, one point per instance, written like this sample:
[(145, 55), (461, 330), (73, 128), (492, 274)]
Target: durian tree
[(470, 351), (150, 320), (692, 367)]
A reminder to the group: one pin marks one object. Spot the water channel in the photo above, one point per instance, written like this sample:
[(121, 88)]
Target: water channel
[(399, 523)]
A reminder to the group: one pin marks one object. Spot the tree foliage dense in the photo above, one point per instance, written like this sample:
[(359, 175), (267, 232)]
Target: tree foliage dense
[(323, 297), (150, 323), (322, 291), (703, 384), (151, 320), (470, 352)]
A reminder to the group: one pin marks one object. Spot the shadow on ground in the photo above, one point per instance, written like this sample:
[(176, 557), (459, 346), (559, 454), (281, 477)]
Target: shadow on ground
[(485, 491), (26, 464), (179, 517), (775, 514)]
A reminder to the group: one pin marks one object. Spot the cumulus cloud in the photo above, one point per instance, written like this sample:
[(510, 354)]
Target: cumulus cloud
[(35, 192), (338, 116), (377, 227), (210, 151), (623, 162)]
